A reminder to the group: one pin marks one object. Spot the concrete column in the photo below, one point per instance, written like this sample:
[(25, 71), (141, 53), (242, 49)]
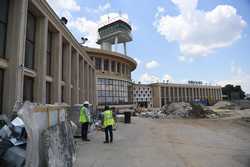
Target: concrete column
[(177, 93), (116, 43), (67, 72), (125, 48), (193, 95), (198, 93), (220, 94), (94, 89), (40, 59), (15, 51), (89, 83), (169, 95), (75, 78), (83, 76), (56, 67), (185, 91), (81, 80)]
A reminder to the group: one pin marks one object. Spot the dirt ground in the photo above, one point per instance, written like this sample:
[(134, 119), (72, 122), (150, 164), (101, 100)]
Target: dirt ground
[(170, 143)]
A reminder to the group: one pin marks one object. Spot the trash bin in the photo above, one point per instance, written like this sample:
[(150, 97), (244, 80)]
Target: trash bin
[(127, 117)]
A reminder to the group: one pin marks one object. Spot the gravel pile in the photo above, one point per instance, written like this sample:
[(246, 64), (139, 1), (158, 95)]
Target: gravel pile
[(180, 110)]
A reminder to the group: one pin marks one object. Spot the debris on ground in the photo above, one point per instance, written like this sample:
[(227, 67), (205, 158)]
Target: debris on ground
[(223, 105), (13, 139), (180, 110)]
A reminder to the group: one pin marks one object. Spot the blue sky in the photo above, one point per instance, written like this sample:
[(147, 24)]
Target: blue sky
[(176, 40)]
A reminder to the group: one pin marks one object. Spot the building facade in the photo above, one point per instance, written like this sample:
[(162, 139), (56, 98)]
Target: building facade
[(113, 78), (143, 95), (164, 93), (40, 60)]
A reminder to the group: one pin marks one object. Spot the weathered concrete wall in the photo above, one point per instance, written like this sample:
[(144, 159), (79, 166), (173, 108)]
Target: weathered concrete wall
[(38, 118)]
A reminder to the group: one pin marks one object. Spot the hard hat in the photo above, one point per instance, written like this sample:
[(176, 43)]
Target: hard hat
[(86, 103)]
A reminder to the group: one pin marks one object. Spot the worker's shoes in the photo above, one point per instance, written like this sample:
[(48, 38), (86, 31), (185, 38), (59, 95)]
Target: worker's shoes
[(85, 140), (105, 142)]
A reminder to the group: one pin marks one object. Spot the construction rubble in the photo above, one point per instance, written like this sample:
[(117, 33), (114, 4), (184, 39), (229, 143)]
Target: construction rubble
[(180, 110), (37, 135)]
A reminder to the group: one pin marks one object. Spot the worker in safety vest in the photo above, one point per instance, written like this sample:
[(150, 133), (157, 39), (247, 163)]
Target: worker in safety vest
[(108, 123), (84, 120)]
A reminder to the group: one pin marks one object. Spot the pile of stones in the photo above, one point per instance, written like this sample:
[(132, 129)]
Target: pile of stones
[(180, 110)]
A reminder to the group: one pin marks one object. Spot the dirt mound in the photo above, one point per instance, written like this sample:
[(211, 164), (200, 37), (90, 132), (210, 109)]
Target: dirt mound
[(222, 104), (181, 110)]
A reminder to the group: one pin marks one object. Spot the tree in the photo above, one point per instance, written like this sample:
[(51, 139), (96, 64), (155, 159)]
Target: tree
[(232, 92)]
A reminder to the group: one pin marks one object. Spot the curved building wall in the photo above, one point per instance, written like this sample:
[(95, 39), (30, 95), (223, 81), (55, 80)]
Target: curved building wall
[(113, 77)]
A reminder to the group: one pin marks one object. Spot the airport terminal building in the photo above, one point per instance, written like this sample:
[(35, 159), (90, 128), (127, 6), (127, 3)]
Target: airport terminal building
[(165, 93), (40, 60)]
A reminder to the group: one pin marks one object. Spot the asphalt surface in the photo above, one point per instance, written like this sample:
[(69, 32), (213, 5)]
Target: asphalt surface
[(169, 143)]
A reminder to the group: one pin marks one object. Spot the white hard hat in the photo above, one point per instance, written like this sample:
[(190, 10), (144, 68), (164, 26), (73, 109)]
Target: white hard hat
[(86, 103)]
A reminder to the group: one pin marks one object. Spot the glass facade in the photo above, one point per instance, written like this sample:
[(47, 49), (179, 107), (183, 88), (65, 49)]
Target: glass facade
[(114, 92)]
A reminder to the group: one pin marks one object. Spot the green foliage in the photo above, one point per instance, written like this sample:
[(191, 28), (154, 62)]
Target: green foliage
[(233, 92)]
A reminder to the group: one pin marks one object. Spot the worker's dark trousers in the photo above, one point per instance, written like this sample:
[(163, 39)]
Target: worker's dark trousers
[(85, 131), (109, 132)]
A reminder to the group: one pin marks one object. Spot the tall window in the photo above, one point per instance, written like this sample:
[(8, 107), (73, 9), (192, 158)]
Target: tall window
[(62, 94), (98, 63), (30, 41), (106, 65), (28, 89), (3, 26), (1, 90), (119, 67), (48, 93), (49, 48), (113, 66), (123, 68)]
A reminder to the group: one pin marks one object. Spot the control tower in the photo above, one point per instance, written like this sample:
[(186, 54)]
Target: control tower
[(114, 32)]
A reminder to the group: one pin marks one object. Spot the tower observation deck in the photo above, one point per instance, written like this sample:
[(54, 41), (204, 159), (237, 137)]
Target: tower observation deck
[(116, 31)]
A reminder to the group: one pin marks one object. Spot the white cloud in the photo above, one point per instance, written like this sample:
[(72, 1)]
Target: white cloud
[(152, 64), (238, 77), (64, 7), (89, 27), (199, 32), (138, 61), (167, 77), (99, 9), (148, 78)]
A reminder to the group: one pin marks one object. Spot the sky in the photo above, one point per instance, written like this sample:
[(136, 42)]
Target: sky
[(174, 40)]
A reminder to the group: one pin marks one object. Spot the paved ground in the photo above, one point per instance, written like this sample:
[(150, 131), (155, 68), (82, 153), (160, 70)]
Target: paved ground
[(170, 143)]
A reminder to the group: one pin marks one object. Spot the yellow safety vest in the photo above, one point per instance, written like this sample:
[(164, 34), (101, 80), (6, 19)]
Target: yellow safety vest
[(83, 116), (108, 118)]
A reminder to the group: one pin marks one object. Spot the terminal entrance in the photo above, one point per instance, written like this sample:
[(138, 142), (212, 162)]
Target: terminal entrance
[(143, 104)]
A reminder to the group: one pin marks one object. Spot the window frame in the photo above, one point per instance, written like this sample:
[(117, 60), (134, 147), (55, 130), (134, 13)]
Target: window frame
[(32, 42), (31, 94), (4, 23), (1, 89)]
